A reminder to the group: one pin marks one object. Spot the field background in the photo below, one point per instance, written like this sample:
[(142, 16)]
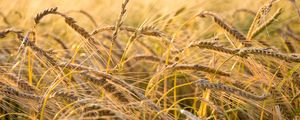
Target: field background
[(167, 59)]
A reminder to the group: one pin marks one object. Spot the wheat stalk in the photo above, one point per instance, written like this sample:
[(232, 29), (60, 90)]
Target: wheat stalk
[(244, 10), (61, 42), (286, 41), (189, 115), (147, 58)]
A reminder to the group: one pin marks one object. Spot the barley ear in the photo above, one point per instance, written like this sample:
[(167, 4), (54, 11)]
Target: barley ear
[(42, 14), (228, 28)]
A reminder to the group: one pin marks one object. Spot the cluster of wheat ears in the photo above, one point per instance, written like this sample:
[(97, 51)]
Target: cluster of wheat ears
[(147, 72)]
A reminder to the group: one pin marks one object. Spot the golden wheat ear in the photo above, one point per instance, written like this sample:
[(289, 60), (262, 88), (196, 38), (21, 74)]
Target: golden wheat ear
[(213, 46), (226, 27), (42, 14), (196, 67), (264, 25), (4, 32), (203, 83), (260, 15)]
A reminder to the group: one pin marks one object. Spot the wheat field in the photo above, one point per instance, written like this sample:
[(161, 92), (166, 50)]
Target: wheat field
[(149, 60)]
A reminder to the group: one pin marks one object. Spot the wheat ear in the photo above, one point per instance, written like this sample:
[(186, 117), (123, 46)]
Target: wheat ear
[(24, 85), (266, 52), (45, 12), (218, 86), (115, 33), (197, 67), (4, 32), (266, 24), (212, 46), (231, 30), (87, 15), (147, 31), (120, 20), (107, 76), (66, 95), (7, 90), (262, 12), (25, 40)]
